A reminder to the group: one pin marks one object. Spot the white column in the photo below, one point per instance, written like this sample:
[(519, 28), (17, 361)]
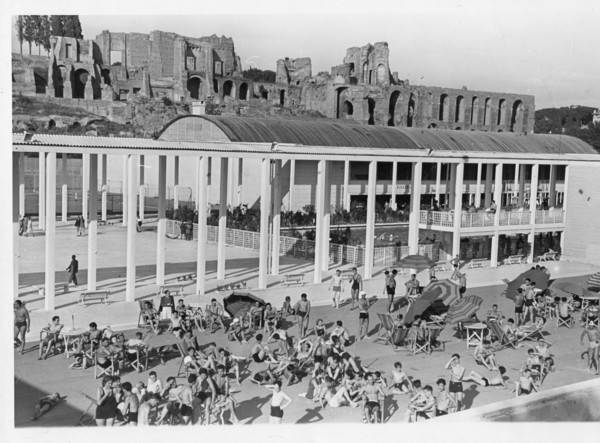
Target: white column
[(161, 231), (276, 218), (142, 196), (326, 217), (516, 184), (346, 198), (223, 179), (20, 174), (104, 158), (176, 182), (263, 255), (209, 172), (533, 207), (42, 191), (93, 222), (131, 223), (197, 185), (438, 180), (458, 191), (564, 206), (50, 229), (393, 204), (231, 186), (125, 191), (488, 184), (552, 187), (522, 172), (415, 208), (85, 188), (202, 229), (497, 199), (17, 211), (477, 202), (64, 177), (240, 180), (292, 183), (370, 231), (452, 186), (319, 208)]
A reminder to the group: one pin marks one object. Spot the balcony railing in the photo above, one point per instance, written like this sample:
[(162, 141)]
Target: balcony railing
[(484, 219)]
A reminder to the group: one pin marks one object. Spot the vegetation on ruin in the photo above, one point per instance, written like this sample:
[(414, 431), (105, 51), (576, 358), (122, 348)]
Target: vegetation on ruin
[(259, 75), (576, 121), (37, 29)]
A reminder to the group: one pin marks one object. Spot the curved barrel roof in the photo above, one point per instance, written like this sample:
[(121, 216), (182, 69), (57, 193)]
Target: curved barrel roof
[(343, 134)]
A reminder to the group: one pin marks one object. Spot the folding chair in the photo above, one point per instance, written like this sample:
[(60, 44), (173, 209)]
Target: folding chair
[(421, 344), (140, 361), (99, 371), (386, 329), (143, 320), (503, 340), (435, 344), (85, 419), (532, 334), (564, 322)]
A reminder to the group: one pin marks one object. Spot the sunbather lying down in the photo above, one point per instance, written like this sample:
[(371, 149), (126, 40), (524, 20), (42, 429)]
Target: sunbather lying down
[(45, 404)]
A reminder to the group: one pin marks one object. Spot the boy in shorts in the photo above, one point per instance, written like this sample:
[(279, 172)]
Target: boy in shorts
[(131, 404), (444, 401)]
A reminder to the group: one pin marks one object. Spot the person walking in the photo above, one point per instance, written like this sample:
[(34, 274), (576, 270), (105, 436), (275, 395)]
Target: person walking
[(337, 286), (356, 285), (78, 225), (22, 324), (72, 270), (363, 315)]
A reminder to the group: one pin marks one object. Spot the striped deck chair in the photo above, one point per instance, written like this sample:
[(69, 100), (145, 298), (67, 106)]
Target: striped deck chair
[(503, 340)]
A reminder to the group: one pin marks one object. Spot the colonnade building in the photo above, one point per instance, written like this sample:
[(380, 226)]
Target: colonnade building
[(292, 163)]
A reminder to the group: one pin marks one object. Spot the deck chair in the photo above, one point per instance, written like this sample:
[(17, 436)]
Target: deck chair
[(99, 371), (386, 329), (422, 345), (503, 340), (435, 343), (533, 334), (84, 420), (143, 321), (564, 322), (182, 353), (140, 360)]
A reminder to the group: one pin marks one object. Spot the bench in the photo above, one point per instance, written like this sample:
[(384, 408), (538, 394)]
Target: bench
[(477, 263), (548, 256), (513, 260), (440, 266), (293, 278), (59, 288), (242, 284), (185, 277), (177, 287), (94, 295)]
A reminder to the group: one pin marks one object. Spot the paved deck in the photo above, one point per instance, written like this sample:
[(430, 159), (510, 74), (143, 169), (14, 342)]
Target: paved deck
[(34, 378)]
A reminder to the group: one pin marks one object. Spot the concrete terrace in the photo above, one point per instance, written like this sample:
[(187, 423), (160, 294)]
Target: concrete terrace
[(34, 378)]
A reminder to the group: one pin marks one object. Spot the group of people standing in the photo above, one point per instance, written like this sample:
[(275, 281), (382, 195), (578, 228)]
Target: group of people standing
[(25, 226)]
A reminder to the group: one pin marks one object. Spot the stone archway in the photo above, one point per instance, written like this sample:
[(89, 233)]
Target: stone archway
[(243, 91), (194, 87), (395, 99), (80, 79), (412, 109), (229, 89), (516, 119)]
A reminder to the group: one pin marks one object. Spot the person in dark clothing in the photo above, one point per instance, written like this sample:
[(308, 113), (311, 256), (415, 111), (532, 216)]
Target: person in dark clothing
[(73, 269)]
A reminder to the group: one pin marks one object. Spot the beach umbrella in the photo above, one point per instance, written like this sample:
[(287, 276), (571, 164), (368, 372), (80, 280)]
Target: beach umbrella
[(417, 307), (445, 290), (464, 309), (594, 280), (239, 303), (540, 278), (572, 288), (418, 262)]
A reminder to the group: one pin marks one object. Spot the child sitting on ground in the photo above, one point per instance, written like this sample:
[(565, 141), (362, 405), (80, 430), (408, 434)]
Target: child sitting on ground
[(45, 404), (81, 362)]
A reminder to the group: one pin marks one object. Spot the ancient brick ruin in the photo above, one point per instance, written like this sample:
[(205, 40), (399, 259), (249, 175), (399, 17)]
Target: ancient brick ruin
[(121, 66)]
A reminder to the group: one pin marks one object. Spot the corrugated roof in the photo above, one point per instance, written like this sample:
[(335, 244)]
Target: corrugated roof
[(341, 134)]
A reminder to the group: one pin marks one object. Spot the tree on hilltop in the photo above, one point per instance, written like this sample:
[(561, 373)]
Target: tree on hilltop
[(66, 26), (20, 28), (29, 30)]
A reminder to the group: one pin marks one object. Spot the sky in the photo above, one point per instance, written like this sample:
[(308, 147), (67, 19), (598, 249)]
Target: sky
[(544, 48)]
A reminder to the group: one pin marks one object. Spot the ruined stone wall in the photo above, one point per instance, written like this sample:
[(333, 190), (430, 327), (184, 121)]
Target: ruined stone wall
[(138, 48), (223, 52), (369, 64), (293, 71)]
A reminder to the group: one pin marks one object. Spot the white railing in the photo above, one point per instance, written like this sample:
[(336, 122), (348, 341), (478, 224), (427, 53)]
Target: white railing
[(484, 219), (305, 249)]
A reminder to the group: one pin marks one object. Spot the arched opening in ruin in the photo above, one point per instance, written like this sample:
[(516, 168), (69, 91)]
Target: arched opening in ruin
[(432, 126), (59, 76), (105, 73), (487, 112), (228, 89), (194, 86), (347, 110), (501, 112), (458, 128), (444, 105), (263, 92), (282, 97), (380, 74), (412, 107), (474, 112), (394, 99), (40, 84), (244, 91), (459, 116), (80, 78), (516, 118), (366, 73), (216, 85), (371, 109)]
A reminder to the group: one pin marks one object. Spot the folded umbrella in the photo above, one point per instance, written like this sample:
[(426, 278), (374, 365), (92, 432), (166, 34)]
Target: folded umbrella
[(594, 280), (418, 262), (445, 290), (464, 309)]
